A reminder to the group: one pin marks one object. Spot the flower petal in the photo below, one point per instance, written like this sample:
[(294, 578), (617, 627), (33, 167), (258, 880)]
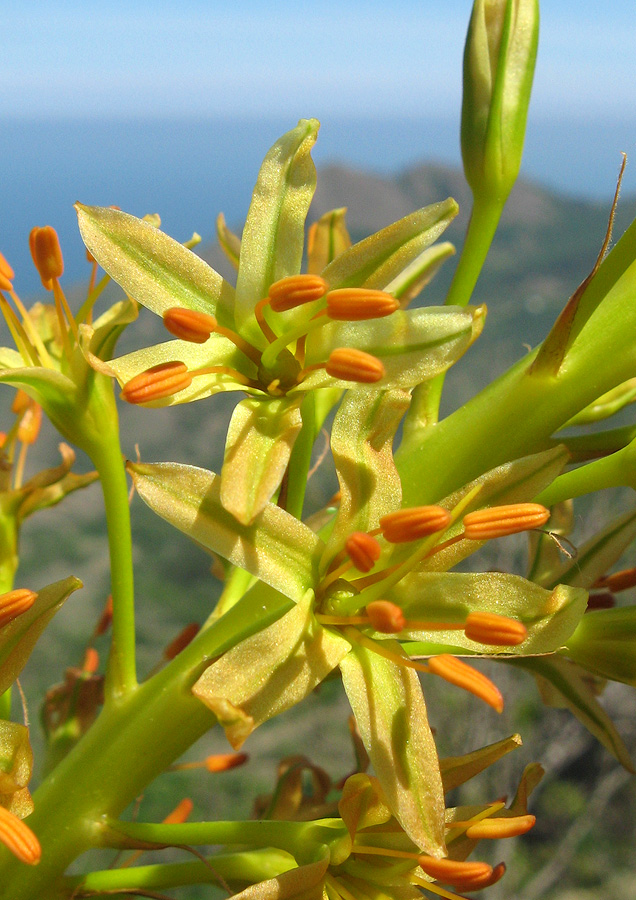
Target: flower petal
[(152, 268), (259, 442), (276, 547), (270, 671), (389, 708)]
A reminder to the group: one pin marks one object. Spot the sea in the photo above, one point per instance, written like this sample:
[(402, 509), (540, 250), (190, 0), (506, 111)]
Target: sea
[(190, 170)]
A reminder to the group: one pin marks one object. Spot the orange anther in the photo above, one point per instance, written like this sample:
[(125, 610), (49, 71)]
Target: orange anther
[(91, 661), (29, 426), (180, 813), (497, 521), (296, 290), (188, 324), (464, 676), (19, 838), (411, 524), (182, 640), (618, 581), (47, 254), (5, 269), (385, 616), (349, 364), (157, 382), (600, 601), (221, 762), (355, 304), (20, 402), (490, 628), (364, 551), (106, 617), (502, 827), (454, 872), (15, 603)]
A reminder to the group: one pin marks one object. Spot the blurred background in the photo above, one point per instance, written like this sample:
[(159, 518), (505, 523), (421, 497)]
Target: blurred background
[(170, 109)]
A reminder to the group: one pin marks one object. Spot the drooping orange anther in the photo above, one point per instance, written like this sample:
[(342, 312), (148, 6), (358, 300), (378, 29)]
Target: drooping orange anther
[(20, 402), (363, 550), (350, 364), (618, 581), (19, 838), (181, 641), (498, 521), (356, 304), (222, 762), (296, 290), (15, 603), (180, 813), (600, 601), (502, 827), (29, 427), (490, 628), (412, 524), (385, 616), (91, 661), (157, 382), (106, 617), (454, 872), (464, 676), (189, 325), (47, 254)]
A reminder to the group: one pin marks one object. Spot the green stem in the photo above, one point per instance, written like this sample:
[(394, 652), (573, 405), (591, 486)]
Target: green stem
[(249, 867), (617, 470), (300, 459), (483, 223), (107, 458), (5, 705)]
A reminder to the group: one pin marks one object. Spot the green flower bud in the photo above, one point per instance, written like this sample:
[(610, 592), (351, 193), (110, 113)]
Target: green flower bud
[(605, 643), (499, 57)]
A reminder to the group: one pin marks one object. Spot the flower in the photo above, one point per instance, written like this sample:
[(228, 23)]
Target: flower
[(280, 336)]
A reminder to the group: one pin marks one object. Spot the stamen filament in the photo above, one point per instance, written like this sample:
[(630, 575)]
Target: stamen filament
[(240, 342), (287, 337), (435, 888), (85, 310), (57, 290), (355, 636), (24, 346), (32, 332), (226, 370), (262, 322), (59, 309)]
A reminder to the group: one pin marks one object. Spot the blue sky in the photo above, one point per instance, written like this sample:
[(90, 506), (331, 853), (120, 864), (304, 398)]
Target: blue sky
[(206, 58)]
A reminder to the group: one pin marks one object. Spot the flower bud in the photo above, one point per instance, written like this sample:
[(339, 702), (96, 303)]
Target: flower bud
[(349, 364), (157, 382), (185, 636), (296, 290), (499, 57), (47, 254)]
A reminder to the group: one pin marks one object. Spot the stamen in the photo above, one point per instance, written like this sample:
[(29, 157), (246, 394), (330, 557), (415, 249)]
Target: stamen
[(180, 813), (262, 323), (157, 382), (501, 827), (386, 617), (19, 335), (498, 521), (189, 324), (412, 524), (464, 676), (181, 641), (600, 601), (30, 423), (62, 302), (105, 619), (435, 888), (618, 581), (222, 762), (14, 603), (6, 272), (490, 628), (47, 254), (91, 661), (349, 364), (454, 872), (19, 838), (363, 550), (357, 304), (28, 329), (296, 290)]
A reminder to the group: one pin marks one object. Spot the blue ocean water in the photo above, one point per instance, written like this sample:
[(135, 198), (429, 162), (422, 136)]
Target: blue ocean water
[(190, 170)]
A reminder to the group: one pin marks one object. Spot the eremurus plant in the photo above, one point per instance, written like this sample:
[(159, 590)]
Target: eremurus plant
[(367, 589)]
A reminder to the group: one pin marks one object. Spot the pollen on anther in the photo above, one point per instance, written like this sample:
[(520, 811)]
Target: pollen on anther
[(385, 617), (296, 290), (349, 364), (189, 324), (498, 521), (157, 382), (356, 304), (411, 524), (363, 549)]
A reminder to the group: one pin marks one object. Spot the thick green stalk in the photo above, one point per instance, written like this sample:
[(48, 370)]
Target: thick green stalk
[(107, 458)]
